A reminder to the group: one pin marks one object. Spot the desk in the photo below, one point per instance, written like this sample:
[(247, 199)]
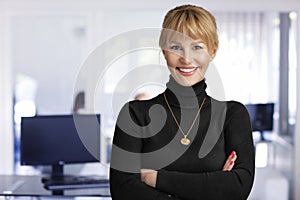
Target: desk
[(14, 185)]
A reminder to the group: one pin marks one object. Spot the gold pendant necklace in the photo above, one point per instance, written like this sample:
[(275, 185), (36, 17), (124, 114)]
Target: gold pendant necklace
[(185, 141)]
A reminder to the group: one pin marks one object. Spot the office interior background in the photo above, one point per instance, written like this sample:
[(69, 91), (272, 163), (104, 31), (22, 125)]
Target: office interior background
[(44, 45)]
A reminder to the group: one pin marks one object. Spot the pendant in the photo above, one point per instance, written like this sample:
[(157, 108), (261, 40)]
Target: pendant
[(185, 141)]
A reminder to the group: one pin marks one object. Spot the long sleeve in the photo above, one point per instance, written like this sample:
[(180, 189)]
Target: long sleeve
[(215, 185), (127, 186), (125, 179)]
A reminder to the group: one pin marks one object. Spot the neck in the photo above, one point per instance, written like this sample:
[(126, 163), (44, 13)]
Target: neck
[(185, 96)]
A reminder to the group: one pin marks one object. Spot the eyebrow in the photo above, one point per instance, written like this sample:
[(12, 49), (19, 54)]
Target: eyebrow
[(174, 42)]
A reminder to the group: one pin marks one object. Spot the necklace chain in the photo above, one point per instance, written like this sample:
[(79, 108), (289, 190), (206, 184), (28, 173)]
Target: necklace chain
[(185, 140)]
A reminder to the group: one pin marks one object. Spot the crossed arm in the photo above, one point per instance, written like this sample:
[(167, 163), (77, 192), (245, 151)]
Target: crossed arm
[(149, 176), (129, 186)]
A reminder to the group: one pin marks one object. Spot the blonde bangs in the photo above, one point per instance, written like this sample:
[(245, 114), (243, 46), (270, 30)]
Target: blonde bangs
[(193, 22)]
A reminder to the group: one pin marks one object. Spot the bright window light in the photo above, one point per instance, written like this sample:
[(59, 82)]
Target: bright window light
[(24, 108), (261, 155)]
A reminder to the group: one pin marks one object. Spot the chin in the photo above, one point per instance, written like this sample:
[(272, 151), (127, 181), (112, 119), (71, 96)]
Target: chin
[(187, 83)]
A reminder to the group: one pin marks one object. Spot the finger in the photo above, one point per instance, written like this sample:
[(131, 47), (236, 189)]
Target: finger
[(230, 161), (229, 167), (231, 157)]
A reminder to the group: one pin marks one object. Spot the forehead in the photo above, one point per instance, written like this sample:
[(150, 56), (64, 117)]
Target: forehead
[(172, 35), (181, 39)]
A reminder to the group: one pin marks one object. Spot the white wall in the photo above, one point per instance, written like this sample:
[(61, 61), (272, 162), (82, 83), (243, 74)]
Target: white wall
[(6, 134), (149, 5)]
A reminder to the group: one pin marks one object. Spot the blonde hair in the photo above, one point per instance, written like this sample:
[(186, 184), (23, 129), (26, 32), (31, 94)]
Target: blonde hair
[(192, 21)]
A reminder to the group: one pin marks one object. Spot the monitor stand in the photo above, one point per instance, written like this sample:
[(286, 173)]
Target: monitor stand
[(262, 137), (57, 173)]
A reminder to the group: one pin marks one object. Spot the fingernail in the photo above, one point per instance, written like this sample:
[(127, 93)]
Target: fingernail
[(231, 162), (232, 154)]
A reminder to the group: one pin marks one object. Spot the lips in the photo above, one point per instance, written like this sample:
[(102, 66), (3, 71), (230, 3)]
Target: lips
[(187, 71)]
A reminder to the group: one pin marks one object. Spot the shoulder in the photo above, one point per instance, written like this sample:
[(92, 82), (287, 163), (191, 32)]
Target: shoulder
[(235, 105), (232, 107), (138, 110), (142, 105), (236, 109)]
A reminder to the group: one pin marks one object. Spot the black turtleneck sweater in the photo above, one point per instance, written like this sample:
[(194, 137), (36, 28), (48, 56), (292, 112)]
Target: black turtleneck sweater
[(147, 136)]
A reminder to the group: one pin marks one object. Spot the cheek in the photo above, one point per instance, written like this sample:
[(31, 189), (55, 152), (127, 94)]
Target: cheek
[(203, 58), (171, 60)]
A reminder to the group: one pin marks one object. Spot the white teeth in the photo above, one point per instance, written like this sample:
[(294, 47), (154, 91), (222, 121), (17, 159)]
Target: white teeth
[(187, 70)]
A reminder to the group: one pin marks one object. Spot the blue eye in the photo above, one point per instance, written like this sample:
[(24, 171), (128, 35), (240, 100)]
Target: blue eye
[(175, 47), (198, 47)]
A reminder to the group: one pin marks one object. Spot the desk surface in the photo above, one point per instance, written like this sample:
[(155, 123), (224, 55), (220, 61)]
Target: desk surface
[(15, 185)]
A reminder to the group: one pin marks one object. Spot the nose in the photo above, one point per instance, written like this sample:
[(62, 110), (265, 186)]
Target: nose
[(185, 58)]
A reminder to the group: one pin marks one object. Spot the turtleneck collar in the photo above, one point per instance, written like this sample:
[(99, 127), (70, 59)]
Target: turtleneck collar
[(185, 96)]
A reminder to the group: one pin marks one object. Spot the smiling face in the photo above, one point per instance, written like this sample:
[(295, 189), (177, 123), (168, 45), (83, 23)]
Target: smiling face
[(187, 59), (189, 41)]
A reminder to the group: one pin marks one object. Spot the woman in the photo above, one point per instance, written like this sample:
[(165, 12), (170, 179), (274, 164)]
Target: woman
[(183, 144)]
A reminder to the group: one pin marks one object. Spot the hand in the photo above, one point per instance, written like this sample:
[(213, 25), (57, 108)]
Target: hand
[(149, 176), (230, 161)]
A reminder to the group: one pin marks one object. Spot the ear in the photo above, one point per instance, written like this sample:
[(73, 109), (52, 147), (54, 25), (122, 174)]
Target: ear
[(213, 54), (164, 53)]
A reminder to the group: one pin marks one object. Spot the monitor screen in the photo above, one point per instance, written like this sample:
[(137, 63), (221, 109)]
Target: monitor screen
[(60, 139), (261, 116)]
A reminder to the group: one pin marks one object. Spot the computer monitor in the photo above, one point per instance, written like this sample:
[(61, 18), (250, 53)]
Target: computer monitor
[(261, 116), (60, 139)]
